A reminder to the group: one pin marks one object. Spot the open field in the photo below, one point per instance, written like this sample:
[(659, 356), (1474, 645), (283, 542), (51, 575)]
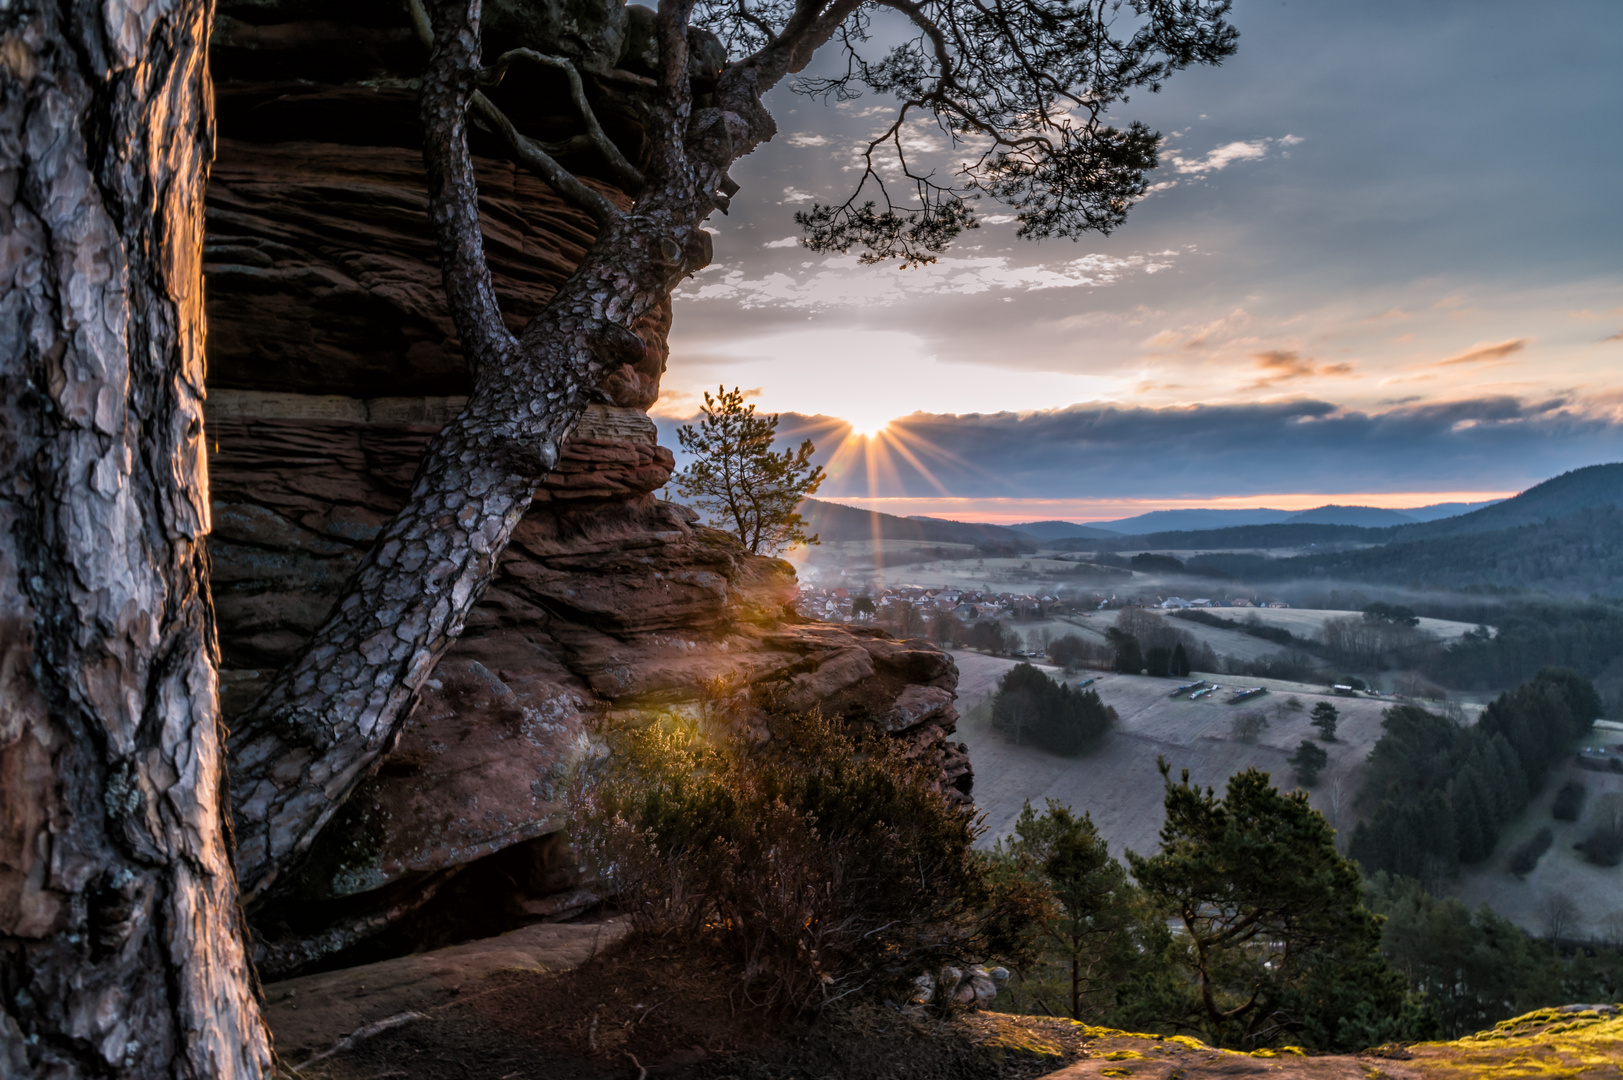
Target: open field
[(1597, 890), (1118, 784), (1027, 573)]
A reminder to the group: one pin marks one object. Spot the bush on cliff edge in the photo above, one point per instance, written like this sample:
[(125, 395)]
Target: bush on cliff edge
[(823, 863)]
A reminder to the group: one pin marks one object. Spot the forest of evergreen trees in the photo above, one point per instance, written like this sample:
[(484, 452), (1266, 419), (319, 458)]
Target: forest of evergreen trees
[(1029, 707), (1439, 793)]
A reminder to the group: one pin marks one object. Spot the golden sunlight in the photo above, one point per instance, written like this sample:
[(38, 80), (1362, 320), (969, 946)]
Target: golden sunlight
[(868, 378), (866, 427)]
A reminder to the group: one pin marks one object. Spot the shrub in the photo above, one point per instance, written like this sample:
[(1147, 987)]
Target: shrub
[(1071, 651), (822, 863), (1527, 855), (1604, 844), (1158, 662), (1603, 847), (1249, 724), (1309, 760), (1569, 802)]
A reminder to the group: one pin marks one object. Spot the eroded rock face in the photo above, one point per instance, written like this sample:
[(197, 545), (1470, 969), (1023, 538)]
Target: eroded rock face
[(333, 361)]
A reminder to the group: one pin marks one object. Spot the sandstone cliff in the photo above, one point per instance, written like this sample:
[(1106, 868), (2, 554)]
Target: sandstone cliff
[(332, 361)]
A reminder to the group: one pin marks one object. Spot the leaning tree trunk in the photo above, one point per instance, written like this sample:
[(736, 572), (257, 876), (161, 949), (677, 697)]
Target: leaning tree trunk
[(326, 719), (121, 950)]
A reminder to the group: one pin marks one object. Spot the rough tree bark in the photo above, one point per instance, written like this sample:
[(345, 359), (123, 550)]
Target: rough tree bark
[(121, 951), (327, 718)]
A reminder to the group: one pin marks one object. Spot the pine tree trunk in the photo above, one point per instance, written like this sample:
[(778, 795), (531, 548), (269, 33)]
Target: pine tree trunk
[(327, 718), (121, 951)]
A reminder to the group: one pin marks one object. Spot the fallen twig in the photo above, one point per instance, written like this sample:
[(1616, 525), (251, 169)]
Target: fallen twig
[(361, 1034)]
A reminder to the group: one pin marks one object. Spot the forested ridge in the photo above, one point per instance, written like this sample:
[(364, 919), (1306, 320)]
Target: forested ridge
[(1561, 536), (1581, 554)]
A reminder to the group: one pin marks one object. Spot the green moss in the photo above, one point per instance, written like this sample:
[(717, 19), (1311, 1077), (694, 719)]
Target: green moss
[(1015, 1038)]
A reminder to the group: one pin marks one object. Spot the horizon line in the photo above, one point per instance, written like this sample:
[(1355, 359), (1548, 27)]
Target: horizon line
[(1003, 510)]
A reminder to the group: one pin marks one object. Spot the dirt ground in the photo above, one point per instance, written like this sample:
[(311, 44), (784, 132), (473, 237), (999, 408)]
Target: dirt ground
[(666, 1008), (655, 1008), (1117, 783)]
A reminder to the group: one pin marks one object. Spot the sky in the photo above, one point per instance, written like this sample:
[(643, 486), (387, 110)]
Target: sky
[(1381, 264)]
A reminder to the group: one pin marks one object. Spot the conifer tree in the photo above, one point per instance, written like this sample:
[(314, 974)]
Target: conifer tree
[(740, 481), (1280, 944), (1180, 661), (1095, 901), (1309, 760), (1325, 718)]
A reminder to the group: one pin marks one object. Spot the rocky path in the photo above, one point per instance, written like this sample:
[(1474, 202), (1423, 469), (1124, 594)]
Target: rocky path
[(312, 1014)]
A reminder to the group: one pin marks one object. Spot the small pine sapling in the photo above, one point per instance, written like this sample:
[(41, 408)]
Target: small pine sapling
[(1325, 718)]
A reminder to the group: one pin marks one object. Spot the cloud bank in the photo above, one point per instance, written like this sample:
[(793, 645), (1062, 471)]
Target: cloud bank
[(843, 282), (1103, 451)]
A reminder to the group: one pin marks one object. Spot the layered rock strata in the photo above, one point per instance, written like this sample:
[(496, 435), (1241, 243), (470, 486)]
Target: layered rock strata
[(332, 362)]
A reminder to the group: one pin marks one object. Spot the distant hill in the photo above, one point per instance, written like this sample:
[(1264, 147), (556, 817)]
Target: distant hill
[(1579, 554), (1563, 496), (1437, 511), (1158, 521), (1162, 521), (1061, 530), (1369, 517), (835, 522), (1237, 537), (1591, 488)]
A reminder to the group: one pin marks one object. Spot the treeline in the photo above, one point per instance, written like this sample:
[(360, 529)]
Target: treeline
[(1581, 554), (1252, 628), (1475, 968), (1273, 945), (1030, 708), (1586, 637), (1527, 636), (1280, 929), (1237, 536), (1440, 793)]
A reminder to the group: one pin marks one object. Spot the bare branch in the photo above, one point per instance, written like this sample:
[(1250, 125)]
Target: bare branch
[(527, 151), (627, 172)]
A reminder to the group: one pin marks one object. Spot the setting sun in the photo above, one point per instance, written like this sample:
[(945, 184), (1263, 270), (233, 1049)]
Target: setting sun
[(864, 427)]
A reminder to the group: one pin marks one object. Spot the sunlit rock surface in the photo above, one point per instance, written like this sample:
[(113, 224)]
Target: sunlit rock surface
[(332, 362)]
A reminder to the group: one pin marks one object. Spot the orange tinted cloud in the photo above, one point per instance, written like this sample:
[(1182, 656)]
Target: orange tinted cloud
[(1483, 353), (1284, 365)]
